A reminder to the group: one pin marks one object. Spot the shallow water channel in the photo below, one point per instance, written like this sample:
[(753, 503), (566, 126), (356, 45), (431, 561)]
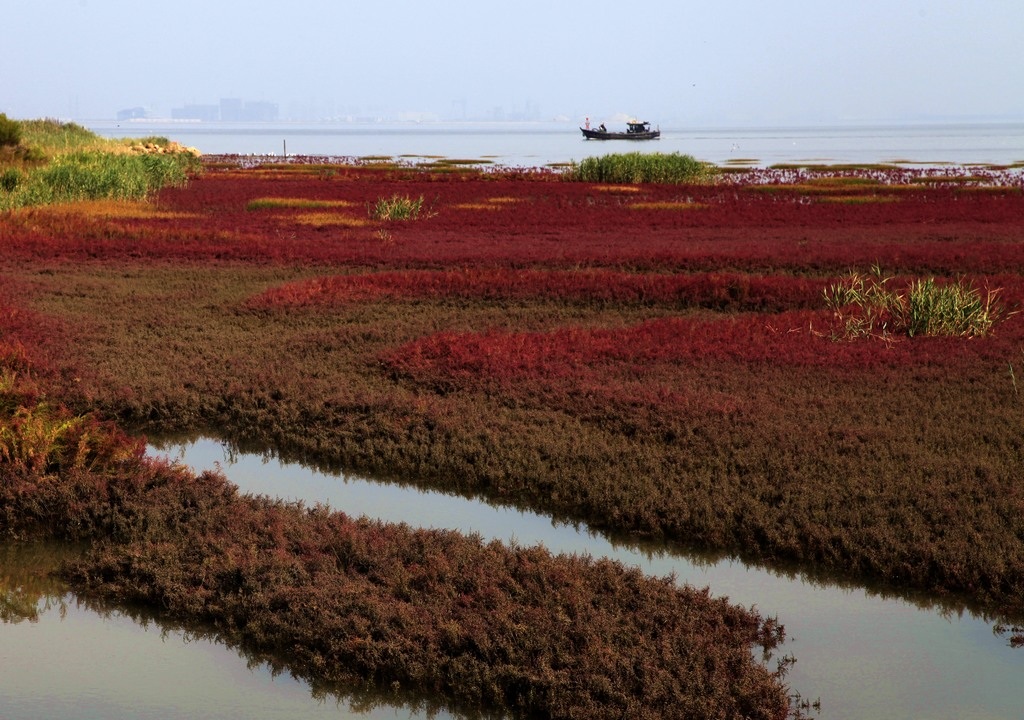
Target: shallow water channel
[(864, 654)]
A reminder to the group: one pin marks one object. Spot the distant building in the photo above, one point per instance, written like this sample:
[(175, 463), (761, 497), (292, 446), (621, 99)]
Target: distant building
[(259, 111), (196, 112), (134, 113), (229, 110)]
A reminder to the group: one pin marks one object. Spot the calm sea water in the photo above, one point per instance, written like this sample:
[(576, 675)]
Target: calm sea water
[(541, 144), (866, 655)]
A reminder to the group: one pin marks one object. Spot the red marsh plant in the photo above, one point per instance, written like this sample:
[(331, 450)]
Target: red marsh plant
[(799, 435), (710, 290), (785, 339), (745, 431), (486, 627), (556, 224), (336, 600)]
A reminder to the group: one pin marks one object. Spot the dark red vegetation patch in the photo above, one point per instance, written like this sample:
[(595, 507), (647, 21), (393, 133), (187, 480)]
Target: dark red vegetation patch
[(477, 221), (34, 348), (489, 626), (485, 626), (497, 356), (720, 291), (795, 338), (655, 360)]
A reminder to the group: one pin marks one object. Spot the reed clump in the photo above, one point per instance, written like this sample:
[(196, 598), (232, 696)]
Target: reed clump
[(397, 207), (868, 305), (637, 167)]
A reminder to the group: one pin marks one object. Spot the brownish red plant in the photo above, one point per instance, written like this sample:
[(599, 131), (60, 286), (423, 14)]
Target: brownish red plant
[(654, 360)]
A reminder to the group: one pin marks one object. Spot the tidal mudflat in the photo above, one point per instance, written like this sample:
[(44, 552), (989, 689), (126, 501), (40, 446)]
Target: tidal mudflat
[(657, 361)]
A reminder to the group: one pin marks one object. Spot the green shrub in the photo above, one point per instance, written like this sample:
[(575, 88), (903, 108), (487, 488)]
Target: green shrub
[(10, 179), (636, 167), (10, 131)]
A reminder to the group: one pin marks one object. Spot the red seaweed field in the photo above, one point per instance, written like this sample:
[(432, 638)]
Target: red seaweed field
[(654, 360)]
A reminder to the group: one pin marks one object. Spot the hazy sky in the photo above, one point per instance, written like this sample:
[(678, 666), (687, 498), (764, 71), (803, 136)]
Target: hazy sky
[(734, 61)]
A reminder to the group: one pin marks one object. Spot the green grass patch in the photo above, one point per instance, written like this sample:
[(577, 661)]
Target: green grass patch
[(668, 205), (92, 175), (867, 305), (56, 162), (397, 207), (277, 203), (637, 167), (54, 137)]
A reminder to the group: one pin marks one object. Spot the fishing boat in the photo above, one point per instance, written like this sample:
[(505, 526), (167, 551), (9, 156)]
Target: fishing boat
[(635, 130)]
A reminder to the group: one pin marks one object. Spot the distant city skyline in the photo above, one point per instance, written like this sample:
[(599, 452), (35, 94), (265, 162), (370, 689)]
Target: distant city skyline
[(316, 111), (245, 110)]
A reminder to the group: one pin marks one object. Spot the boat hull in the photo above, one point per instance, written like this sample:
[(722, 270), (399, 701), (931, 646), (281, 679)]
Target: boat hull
[(606, 135)]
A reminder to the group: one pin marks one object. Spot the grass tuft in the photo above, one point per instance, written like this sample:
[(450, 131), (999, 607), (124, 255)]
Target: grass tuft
[(866, 305), (397, 207)]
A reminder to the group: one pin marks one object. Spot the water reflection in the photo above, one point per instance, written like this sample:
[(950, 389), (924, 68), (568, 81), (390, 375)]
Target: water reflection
[(66, 657), (292, 477), (867, 652), (28, 587)]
